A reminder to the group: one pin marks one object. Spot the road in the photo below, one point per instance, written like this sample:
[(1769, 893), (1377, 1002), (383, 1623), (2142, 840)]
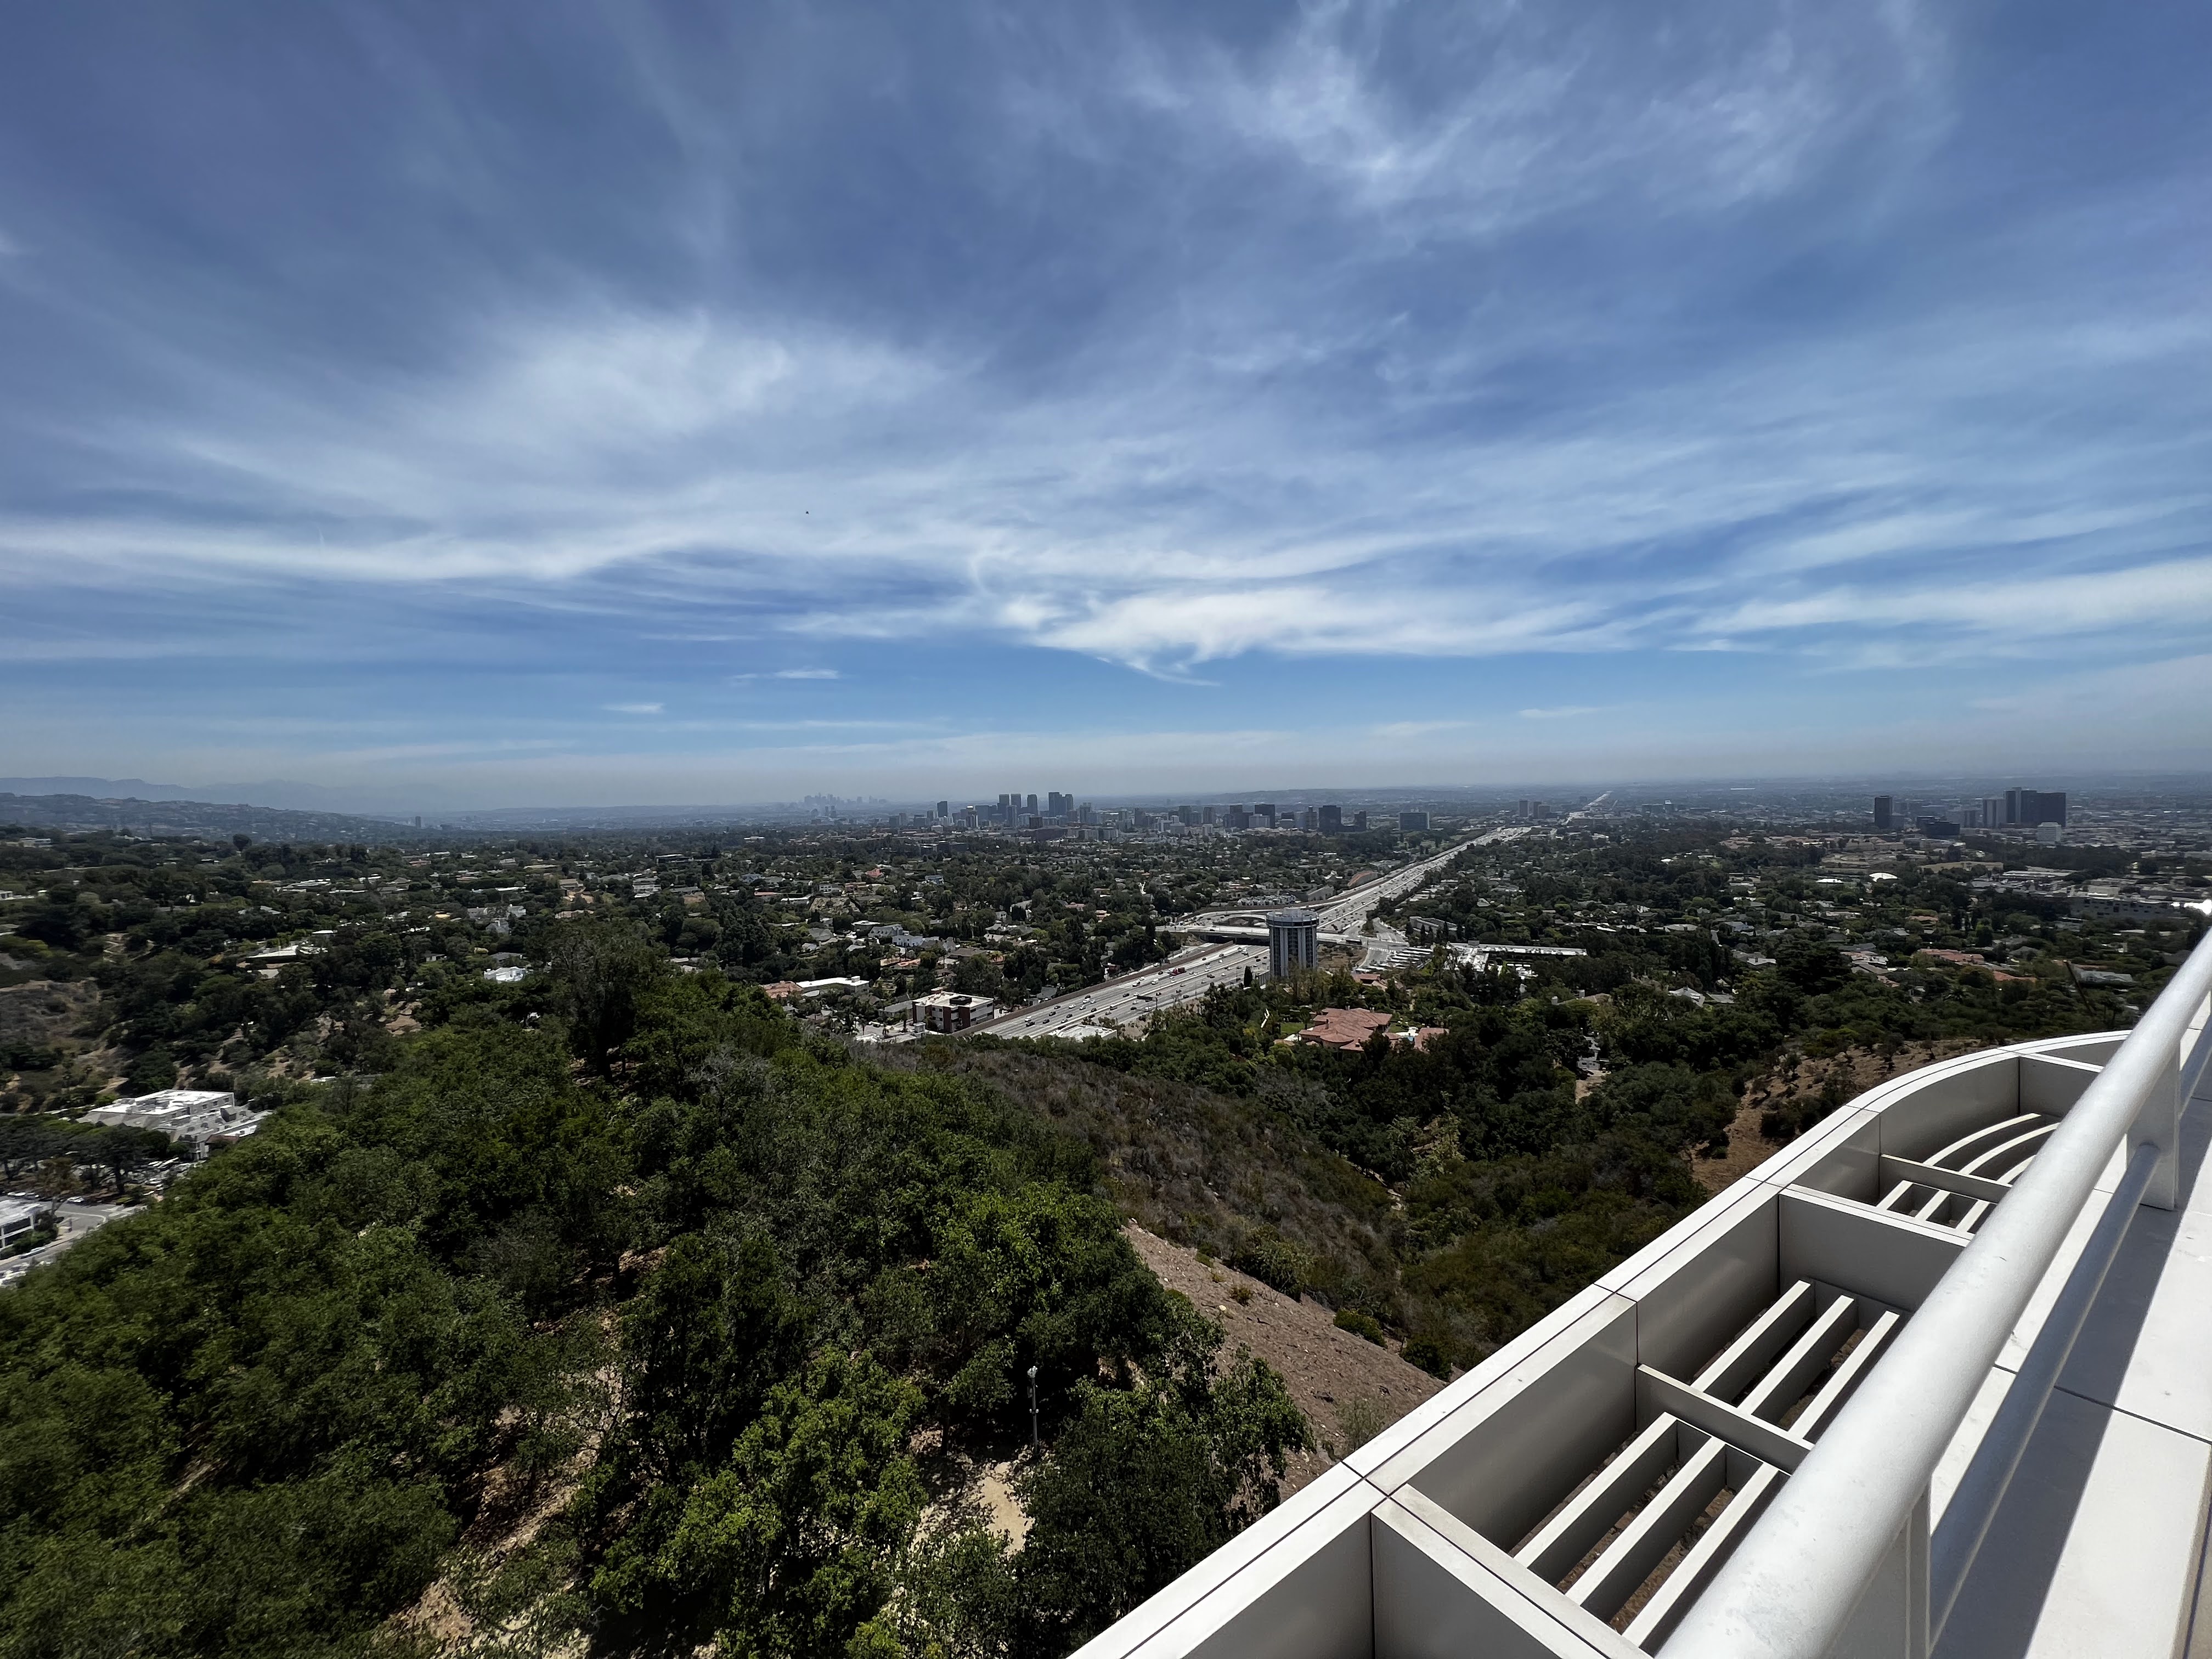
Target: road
[(1188, 975), (1184, 977), (75, 1221), (1350, 913)]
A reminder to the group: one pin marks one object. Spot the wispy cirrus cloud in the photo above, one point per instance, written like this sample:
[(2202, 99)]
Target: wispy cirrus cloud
[(1364, 338), (1478, 119)]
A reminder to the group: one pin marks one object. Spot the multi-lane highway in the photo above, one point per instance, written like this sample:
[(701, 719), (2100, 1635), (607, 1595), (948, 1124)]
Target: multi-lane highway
[(1349, 914), (1186, 975)]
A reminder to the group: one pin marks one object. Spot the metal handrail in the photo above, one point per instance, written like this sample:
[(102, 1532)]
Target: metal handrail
[(1958, 1539), (1792, 1586)]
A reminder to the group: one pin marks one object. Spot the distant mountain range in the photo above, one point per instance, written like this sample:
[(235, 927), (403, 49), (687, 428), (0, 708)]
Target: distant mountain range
[(72, 809), (295, 797), (374, 807)]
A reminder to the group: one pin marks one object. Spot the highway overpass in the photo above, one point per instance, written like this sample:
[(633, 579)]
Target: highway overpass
[(1237, 940)]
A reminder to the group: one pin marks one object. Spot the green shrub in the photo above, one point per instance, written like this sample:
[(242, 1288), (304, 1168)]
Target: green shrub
[(1273, 1260), (1428, 1352), (1361, 1419), (1359, 1324)]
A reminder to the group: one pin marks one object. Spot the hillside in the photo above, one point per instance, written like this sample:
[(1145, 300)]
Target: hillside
[(1348, 1387), (715, 1318), (195, 817), (1234, 1176)]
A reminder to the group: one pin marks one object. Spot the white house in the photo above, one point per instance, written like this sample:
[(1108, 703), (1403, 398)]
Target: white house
[(194, 1116)]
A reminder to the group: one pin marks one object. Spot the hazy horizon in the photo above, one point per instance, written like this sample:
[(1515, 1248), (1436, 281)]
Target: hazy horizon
[(1561, 794)]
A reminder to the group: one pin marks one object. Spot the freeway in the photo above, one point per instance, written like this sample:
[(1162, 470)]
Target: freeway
[(1345, 919), (1189, 973), (1350, 913), (1184, 977)]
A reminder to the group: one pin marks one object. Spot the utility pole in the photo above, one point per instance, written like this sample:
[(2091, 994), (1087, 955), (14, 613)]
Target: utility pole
[(1037, 1441)]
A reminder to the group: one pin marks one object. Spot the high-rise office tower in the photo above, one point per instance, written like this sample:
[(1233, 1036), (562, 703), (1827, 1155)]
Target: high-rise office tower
[(1293, 942), (945, 809), (1332, 820), (1884, 819)]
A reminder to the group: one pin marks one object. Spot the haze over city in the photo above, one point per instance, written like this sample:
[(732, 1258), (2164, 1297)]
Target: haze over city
[(1143, 829), (667, 404)]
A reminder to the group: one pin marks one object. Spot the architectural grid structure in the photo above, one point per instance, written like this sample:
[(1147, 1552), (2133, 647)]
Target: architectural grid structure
[(1935, 1379)]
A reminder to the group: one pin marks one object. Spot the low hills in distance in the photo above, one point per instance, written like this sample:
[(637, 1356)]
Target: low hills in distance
[(132, 814)]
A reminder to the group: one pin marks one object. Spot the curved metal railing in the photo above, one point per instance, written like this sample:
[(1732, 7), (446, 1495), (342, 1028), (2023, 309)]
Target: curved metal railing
[(1792, 1586)]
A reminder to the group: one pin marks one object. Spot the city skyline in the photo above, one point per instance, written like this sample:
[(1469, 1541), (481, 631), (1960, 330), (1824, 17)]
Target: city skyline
[(660, 407), (1943, 805)]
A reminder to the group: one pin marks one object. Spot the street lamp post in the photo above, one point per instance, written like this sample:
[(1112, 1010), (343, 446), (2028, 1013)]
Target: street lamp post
[(1036, 1439)]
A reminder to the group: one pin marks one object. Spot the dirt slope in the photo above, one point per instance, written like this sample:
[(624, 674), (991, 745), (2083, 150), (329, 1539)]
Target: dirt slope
[(43, 1009), (1327, 1369), (1794, 1082)]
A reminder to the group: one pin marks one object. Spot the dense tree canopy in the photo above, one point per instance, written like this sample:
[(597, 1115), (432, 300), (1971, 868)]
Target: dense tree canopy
[(671, 1250)]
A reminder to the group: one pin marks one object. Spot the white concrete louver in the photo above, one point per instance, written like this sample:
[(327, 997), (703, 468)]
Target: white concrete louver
[(1578, 1491)]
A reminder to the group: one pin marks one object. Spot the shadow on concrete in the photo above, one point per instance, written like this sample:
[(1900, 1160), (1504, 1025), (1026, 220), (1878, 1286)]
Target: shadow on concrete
[(2001, 1604)]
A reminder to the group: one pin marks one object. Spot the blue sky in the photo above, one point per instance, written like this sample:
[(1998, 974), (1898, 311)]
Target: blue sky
[(595, 404)]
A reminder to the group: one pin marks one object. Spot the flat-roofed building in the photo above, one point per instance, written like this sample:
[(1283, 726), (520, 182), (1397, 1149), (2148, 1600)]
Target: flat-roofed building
[(194, 1116), (1293, 942), (19, 1218), (946, 1011)]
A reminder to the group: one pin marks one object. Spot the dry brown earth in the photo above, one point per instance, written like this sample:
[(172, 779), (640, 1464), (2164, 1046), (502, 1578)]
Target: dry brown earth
[(44, 1009), (1803, 1078), (1327, 1369)]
